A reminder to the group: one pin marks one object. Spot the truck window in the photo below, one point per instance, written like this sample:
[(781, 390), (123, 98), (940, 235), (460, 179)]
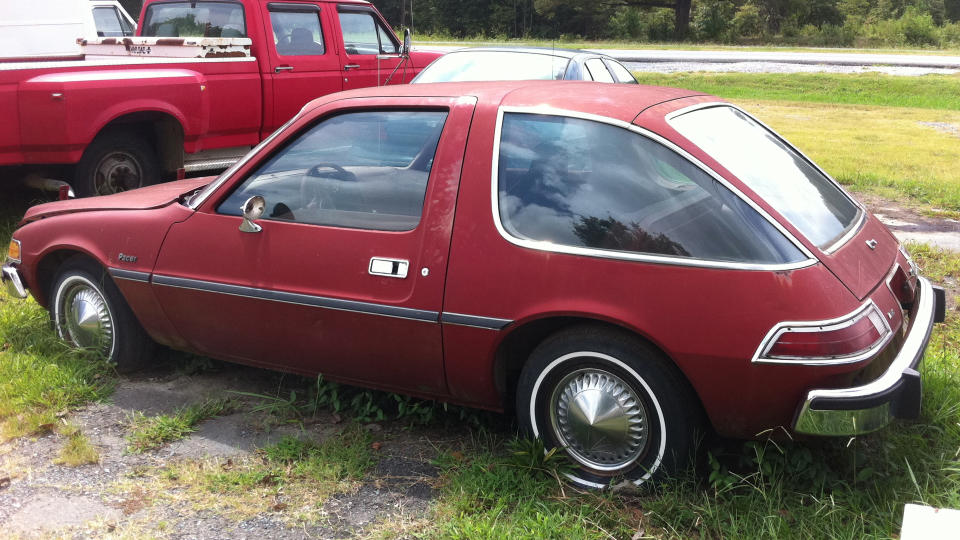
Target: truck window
[(195, 19), (110, 24), (363, 34), (297, 33)]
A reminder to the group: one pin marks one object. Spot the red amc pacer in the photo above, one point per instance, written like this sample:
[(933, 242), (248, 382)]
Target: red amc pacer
[(621, 265)]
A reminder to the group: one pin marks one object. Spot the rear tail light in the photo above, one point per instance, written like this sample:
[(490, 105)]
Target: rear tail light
[(848, 339)]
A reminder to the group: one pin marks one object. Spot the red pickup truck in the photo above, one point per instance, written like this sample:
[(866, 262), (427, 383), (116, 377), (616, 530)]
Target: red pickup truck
[(201, 83)]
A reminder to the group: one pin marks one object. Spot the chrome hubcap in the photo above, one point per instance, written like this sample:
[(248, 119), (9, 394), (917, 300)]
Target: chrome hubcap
[(83, 316), (116, 172), (599, 419)]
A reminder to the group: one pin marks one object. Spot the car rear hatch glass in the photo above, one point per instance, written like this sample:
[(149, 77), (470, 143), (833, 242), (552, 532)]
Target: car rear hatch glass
[(797, 190)]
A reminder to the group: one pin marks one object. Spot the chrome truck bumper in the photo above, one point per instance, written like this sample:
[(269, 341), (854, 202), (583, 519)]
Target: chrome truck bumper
[(895, 394), (11, 280)]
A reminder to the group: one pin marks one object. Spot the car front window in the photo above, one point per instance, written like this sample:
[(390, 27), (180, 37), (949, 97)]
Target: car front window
[(585, 184), (494, 66), (774, 170), (362, 170)]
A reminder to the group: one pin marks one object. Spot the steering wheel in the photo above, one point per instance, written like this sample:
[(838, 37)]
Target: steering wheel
[(323, 194)]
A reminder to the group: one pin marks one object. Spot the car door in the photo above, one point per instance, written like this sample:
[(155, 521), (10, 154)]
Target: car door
[(303, 63), (346, 276), (371, 50)]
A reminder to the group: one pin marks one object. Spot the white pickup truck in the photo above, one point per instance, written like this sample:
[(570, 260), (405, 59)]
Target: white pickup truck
[(29, 32)]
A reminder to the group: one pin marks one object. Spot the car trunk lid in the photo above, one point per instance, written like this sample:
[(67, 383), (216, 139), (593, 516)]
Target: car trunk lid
[(864, 260)]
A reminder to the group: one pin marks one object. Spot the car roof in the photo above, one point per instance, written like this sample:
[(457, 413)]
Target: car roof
[(563, 53), (617, 101)]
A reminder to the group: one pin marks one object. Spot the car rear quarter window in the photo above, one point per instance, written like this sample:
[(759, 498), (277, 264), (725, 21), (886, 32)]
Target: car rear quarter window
[(773, 169), (361, 170), (585, 184), (194, 19), (598, 71)]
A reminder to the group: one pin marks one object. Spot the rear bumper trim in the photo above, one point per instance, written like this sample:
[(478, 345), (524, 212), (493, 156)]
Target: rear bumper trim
[(11, 279), (895, 394)]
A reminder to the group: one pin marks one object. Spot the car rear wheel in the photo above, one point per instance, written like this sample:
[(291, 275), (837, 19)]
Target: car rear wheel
[(619, 410), (89, 312), (115, 161)]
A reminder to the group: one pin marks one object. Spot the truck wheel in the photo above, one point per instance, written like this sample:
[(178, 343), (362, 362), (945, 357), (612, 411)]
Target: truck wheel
[(613, 404), (89, 312), (116, 161)]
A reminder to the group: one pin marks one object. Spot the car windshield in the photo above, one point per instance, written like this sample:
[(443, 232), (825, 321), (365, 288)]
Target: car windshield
[(494, 66), (793, 186)]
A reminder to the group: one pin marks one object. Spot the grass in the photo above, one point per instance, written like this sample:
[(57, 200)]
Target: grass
[(292, 478), (877, 89), (152, 432), (77, 450)]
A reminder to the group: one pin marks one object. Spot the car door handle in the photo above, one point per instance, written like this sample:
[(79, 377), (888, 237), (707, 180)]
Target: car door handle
[(278, 69), (381, 266), (348, 67)]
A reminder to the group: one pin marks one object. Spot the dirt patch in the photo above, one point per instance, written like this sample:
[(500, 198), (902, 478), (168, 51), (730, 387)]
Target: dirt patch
[(115, 497), (944, 127), (908, 222)]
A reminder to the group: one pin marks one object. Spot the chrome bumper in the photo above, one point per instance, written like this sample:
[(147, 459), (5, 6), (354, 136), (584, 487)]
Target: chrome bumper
[(11, 279), (895, 394)]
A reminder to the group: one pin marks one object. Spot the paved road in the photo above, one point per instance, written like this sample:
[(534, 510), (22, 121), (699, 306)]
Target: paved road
[(667, 61)]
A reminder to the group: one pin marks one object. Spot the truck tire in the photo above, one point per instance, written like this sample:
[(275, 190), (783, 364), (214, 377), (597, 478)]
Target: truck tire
[(116, 161)]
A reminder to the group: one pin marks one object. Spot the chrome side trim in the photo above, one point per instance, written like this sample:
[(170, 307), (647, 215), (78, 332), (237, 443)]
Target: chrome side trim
[(476, 321), (609, 254), (861, 215), (845, 422), (297, 298), (838, 323), (131, 275)]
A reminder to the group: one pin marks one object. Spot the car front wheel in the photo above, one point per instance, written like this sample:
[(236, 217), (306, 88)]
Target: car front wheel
[(613, 404), (89, 312)]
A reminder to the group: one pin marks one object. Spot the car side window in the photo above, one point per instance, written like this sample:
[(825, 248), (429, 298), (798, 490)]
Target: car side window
[(110, 23), (363, 34), (641, 197), (598, 71), (361, 170), (296, 32)]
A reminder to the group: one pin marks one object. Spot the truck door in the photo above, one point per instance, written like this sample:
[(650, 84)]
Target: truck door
[(371, 50), (303, 60)]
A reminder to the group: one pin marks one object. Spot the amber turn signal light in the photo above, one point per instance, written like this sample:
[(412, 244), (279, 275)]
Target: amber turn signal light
[(13, 250)]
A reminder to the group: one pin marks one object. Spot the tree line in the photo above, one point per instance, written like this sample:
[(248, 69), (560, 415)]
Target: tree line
[(811, 22)]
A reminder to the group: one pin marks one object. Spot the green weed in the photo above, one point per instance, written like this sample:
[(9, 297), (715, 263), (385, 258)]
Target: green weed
[(151, 432)]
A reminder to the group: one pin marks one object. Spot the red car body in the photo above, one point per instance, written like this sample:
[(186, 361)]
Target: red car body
[(460, 327)]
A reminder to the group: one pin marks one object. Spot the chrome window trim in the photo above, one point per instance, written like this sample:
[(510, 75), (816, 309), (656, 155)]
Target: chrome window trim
[(862, 211), (15, 260), (308, 300), (623, 255), (131, 275), (837, 323), (202, 196)]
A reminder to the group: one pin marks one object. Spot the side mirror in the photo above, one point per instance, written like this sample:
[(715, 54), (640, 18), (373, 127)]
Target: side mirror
[(407, 40), (252, 209)]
